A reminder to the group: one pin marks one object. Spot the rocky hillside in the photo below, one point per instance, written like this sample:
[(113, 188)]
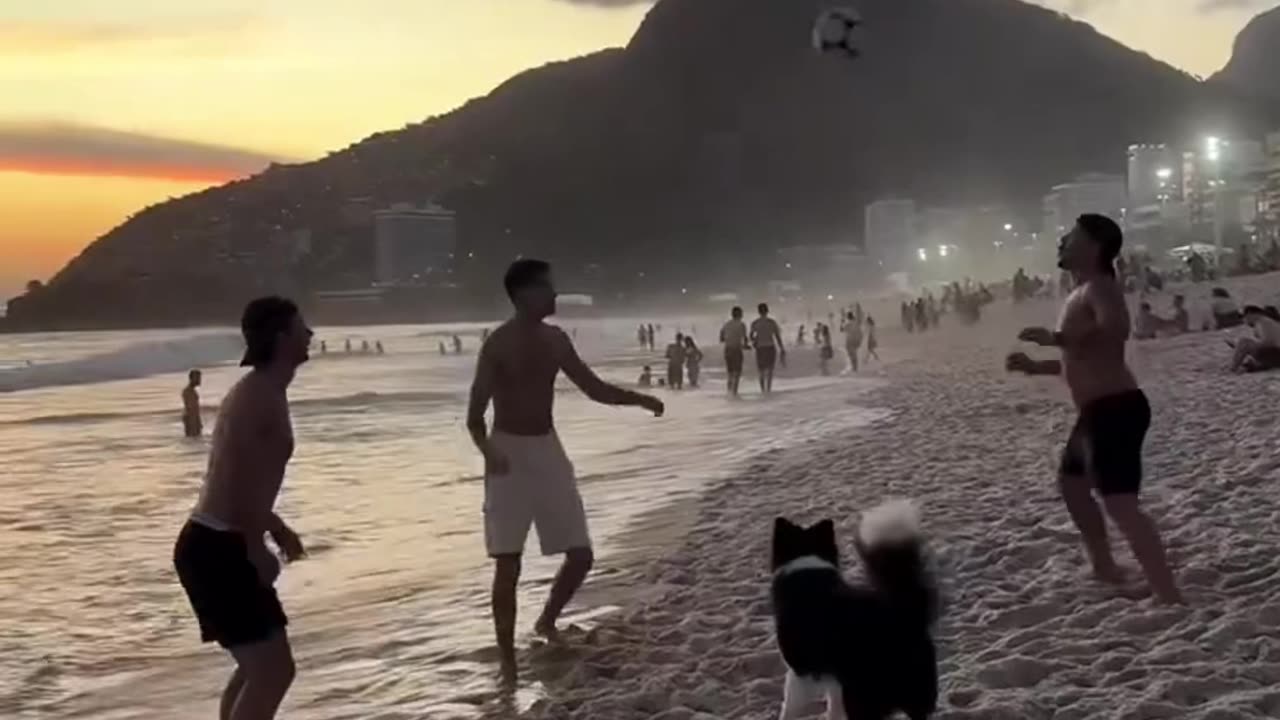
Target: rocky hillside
[(1256, 57), (714, 137)]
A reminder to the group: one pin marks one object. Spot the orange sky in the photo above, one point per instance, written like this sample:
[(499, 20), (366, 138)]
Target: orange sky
[(111, 106)]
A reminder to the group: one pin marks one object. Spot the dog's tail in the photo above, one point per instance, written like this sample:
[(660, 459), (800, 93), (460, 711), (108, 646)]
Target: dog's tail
[(893, 550)]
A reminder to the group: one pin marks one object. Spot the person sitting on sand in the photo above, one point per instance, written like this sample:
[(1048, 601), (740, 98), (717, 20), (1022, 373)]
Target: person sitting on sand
[(675, 363), (1181, 320), (1103, 453), (646, 377), (528, 477), (1226, 314), (1146, 323), (692, 360), (1262, 351), (192, 423)]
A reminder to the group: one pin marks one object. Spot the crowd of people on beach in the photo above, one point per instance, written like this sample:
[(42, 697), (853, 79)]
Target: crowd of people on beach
[(228, 573)]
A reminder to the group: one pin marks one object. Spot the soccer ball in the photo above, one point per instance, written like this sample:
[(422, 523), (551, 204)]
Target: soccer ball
[(836, 31)]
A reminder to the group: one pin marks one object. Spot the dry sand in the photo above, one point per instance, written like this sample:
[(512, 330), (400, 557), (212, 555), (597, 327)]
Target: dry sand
[(1026, 634)]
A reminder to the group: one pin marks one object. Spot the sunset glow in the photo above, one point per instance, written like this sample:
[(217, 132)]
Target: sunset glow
[(112, 106)]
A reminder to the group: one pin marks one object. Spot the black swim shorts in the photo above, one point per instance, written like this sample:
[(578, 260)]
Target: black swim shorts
[(733, 360), (1106, 443), (766, 357), (232, 603)]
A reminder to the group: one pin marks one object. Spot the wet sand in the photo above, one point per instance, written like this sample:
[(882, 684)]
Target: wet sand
[(1026, 634)]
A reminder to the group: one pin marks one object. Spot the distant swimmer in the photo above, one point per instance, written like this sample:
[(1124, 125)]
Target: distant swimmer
[(221, 555), (457, 345), (347, 346), (1103, 453), (733, 336), (692, 360), (675, 363), (800, 336), (377, 347), (364, 347), (766, 338), (653, 343), (528, 477), (642, 337), (192, 423), (324, 347), (443, 351), (822, 334)]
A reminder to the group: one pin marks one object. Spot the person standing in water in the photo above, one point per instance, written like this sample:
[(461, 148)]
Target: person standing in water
[(1103, 453), (825, 351), (872, 342), (192, 423), (528, 477), (852, 339), (221, 555), (692, 360), (766, 338), (733, 336), (675, 363)]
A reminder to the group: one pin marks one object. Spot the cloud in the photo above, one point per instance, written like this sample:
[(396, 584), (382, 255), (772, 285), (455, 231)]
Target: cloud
[(45, 37), (1209, 6), (68, 149)]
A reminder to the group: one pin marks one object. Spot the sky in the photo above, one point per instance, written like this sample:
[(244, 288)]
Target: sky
[(111, 105)]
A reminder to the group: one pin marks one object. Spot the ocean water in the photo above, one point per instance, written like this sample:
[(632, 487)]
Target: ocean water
[(389, 614)]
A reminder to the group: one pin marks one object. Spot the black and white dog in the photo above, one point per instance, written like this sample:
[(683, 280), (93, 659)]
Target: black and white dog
[(868, 647)]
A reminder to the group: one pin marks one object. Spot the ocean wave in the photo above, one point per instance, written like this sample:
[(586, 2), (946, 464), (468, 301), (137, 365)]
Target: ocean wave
[(300, 407), (137, 360)]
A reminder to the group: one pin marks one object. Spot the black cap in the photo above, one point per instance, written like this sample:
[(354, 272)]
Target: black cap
[(262, 321)]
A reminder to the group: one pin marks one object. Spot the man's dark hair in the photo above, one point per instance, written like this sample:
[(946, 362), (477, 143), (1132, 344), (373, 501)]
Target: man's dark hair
[(1220, 293), (736, 312), (192, 375), (763, 308), (1252, 310), (262, 322), (523, 273), (1107, 234)]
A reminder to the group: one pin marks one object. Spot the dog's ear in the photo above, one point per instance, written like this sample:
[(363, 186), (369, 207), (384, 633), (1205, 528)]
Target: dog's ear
[(825, 529), (783, 527)]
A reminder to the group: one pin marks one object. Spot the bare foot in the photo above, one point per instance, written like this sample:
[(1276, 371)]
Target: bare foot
[(1113, 575), (1171, 598), (548, 631)]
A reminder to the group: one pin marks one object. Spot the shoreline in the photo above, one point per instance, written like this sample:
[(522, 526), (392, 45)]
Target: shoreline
[(1024, 633)]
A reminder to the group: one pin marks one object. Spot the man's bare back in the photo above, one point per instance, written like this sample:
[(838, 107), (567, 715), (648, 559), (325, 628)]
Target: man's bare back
[(521, 362), (252, 442), (1093, 327)]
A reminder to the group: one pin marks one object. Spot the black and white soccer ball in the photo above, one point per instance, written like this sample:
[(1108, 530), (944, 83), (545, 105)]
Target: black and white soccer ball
[(838, 30)]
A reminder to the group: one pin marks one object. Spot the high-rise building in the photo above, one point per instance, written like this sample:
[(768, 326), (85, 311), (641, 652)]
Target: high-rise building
[(1269, 193), (890, 232), (1091, 193), (412, 243), (1155, 176)]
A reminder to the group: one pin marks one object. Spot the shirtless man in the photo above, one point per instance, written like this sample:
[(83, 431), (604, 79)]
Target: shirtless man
[(766, 338), (528, 478), (734, 338), (221, 555), (192, 423), (1104, 451)]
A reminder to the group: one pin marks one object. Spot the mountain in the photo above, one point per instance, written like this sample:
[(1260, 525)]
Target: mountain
[(1252, 67), (684, 159)]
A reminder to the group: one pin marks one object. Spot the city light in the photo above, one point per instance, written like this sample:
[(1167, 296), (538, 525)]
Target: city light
[(942, 250), (923, 254), (1008, 227), (830, 298), (1164, 173), (1213, 148)]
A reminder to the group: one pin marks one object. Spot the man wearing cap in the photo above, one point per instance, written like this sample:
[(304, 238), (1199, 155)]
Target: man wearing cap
[(221, 554)]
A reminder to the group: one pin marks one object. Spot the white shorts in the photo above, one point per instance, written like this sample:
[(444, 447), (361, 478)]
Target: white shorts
[(539, 489)]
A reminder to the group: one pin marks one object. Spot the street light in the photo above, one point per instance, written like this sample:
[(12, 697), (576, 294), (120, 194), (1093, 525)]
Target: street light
[(924, 255), (1008, 227)]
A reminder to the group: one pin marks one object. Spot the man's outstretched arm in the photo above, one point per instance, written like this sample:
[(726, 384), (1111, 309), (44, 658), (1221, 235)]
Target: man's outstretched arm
[(595, 388)]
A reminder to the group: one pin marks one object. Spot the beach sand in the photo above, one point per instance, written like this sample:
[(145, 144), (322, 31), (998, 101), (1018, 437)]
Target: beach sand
[(1026, 634)]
